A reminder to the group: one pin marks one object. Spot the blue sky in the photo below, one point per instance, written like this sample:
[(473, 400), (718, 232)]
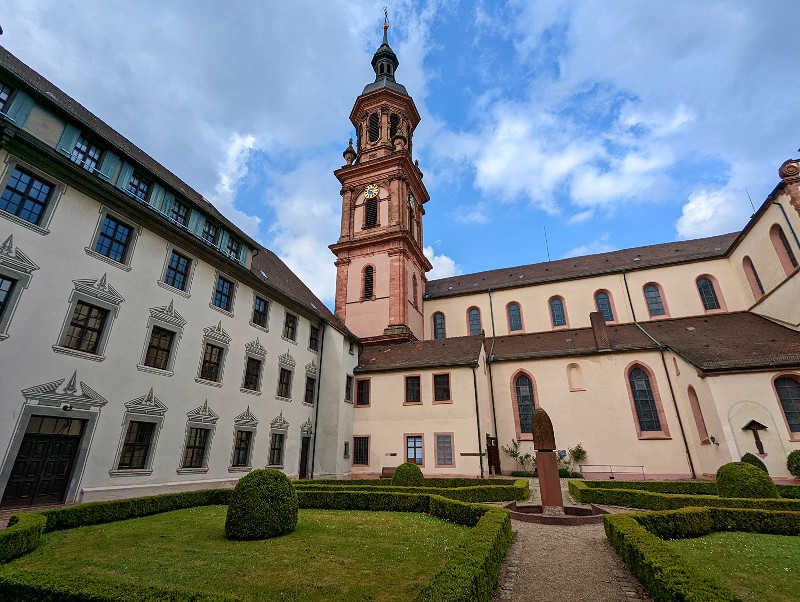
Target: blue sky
[(613, 124)]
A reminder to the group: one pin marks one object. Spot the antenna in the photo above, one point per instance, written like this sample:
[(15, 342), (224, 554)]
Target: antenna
[(546, 244), (751, 201)]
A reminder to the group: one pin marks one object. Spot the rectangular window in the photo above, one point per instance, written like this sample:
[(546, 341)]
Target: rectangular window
[(86, 154), (252, 375), (5, 94), (285, 383), (223, 293), (361, 451), (136, 445), (159, 348), (444, 450), (313, 339), (414, 449), (441, 387), (209, 235), (179, 214), (195, 453), (85, 328), (348, 388), (25, 196), (234, 248), (412, 389), (362, 392), (276, 450), (311, 385), (178, 271), (212, 360), (138, 187), (113, 239), (241, 448), (6, 290), (260, 308), (290, 327)]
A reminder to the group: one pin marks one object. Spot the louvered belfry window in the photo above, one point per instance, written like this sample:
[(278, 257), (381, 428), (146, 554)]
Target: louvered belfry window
[(394, 121), (374, 127), (368, 282), (371, 213)]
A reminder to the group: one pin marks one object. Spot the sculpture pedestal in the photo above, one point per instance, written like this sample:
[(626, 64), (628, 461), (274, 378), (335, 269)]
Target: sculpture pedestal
[(549, 484)]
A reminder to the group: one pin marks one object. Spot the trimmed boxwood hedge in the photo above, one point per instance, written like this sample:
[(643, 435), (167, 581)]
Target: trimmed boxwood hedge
[(742, 479), (508, 491), (445, 482), (21, 536), (263, 505), (408, 474), (636, 498), (683, 487)]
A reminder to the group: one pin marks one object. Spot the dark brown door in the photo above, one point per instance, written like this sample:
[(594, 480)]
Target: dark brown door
[(304, 457), (493, 454), (44, 462)]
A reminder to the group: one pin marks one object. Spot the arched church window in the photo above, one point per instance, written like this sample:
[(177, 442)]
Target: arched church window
[(374, 127), (603, 303), (783, 249), (752, 277), (523, 388), (643, 400), (369, 274), (708, 295), (414, 290), (474, 318), (788, 390), (557, 312), (514, 317), (438, 325), (654, 303), (371, 213), (394, 121)]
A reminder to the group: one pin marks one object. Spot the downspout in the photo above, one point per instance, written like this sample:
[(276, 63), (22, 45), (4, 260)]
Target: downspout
[(489, 359), (788, 223), (628, 292), (474, 365), (316, 409)]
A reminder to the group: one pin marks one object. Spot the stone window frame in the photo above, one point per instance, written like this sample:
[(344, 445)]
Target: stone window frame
[(312, 373), (245, 421), (136, 230), (214, 335), (15, 265), (167, 318), (285, 362), (717, 289), (363, 296), (353, 455), (449, 388), (256, 351), (521, 317), (284, 336), (98, 293), (311, 330), (405, 390), (234, 288), (405, 447), (661, 295), (515, 405), (189, 277), (268, 305), (563, 310), (278, 426), (793, 435), (201, 417), (433, 326), (147, 408), (611, 305), (367, 380), (436, 436), (349, 383), (662, 417), (480, 320), (58, 190)]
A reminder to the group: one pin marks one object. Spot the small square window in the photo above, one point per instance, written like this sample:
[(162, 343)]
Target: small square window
[(260, 312), (311, 385), (114, 239), (177, 274), (85, 328), (210, 234), (348, 388), (441, 387), (241, 448), (138, 187), (159, 348), (290, 327), (362, 392), (313, 339), (223, 295), (86, 154), (413, 389), (252, 374), (179, 213), (212, 362), (194, 455), (276, 449), (361, 451), (285, 383), (136, 447), (25, 196)]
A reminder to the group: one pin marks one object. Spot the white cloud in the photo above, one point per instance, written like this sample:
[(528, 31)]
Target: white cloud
[(443, 266), (601, 245), (230, 172), (581, 217), (710, 212)]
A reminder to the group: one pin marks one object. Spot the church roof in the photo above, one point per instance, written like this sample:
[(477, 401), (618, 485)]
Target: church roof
[(580, 267), (436, 353)]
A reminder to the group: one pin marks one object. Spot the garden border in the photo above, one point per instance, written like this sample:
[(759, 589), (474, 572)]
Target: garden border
[(694, 487), (508, 490)]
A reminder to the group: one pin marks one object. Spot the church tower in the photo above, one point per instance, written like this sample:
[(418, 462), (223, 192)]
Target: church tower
[(380, 276)]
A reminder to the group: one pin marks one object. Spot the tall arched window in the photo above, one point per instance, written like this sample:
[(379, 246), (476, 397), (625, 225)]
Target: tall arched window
[(654, 303), (788, 390), (752, 277), (374, 127), (557, 314), (414, 290), (603, 303), (514, 317), (474, 319), (438, 325), (411, 221), (698, 416), (371, 213), (369, 274), (708, 294), (643, 400), (783, 249), (394, 121), (523, 387)]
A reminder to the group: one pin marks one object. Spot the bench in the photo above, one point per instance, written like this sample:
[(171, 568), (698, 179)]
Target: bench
[(387, 472)]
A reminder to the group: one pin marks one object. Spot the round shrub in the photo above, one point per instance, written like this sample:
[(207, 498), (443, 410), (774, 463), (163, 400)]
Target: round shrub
[(740, 479), (755, 461), (263, 505), (408, 475), (563, 473), (575, 475), (793, 463)]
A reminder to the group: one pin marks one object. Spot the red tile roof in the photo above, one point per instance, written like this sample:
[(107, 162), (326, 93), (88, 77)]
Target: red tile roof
[(456, 351)]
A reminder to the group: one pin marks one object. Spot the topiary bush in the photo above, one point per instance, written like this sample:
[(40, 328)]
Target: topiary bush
[(793, 463), (408, 475), (563, 473), (740, 479), (263, 505), (755, 461)]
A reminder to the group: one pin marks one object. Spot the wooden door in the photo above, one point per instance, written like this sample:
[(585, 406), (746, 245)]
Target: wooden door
[(493, 454)]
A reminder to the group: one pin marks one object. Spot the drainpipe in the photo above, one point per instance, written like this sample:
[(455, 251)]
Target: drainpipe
[(788, 223), (316, 409), (489, 359), (474, 365), (628, 292)]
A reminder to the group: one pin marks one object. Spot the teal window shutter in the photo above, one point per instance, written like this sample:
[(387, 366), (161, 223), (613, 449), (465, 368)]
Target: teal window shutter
[(156, 195), (224, 236), (166, 203), (243, 254), (68, 139), (20, 109), (124, 175), (107, 166), (196, 222)]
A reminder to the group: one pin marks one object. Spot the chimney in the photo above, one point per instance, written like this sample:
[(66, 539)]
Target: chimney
[(600, 331)]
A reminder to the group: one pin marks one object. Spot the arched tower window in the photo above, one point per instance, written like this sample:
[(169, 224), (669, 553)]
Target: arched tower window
[(474, 319), (643, 400), (369, 274), (603, 303), (438, 325), (708, 294), (523, 389), (752, 277), (654, 303), (374, 127), (371, 213), (514, 317), (394, 121), (698, 416), (783, 249), (414, 290), (557, 313), (788, 390)]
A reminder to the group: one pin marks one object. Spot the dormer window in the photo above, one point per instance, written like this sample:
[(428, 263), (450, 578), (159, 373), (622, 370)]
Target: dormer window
[(234, 248), (5, 94), (85, 154), (138, 187)]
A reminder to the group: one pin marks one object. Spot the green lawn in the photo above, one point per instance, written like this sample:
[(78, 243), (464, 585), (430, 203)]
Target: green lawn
[(761, 568), (331, 555)]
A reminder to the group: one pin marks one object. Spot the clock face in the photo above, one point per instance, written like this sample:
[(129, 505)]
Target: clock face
[(371, 191)]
